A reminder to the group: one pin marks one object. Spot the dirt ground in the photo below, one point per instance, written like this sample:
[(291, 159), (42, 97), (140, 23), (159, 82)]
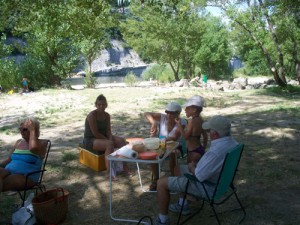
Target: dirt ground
[(268, 124)]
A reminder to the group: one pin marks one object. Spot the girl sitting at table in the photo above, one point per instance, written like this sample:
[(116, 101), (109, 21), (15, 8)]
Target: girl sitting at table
[(165, 124), (98, 137)]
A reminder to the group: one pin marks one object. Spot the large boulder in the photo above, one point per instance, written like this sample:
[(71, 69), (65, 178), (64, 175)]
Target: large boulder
[(259, 80), (241, 81), (182, 83)]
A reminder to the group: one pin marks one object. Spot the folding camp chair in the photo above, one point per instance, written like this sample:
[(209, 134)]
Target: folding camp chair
[(37, 186), (224, 188)]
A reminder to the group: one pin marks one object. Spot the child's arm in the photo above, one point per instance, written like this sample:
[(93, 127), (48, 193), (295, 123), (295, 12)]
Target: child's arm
[(177, 133), (205, 138), (204, 135), (185, 133)]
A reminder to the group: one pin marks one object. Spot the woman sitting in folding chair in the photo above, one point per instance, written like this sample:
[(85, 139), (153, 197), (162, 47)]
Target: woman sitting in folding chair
[(25, 157)]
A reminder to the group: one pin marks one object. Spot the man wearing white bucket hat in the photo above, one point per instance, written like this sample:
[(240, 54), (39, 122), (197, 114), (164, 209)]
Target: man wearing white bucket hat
[(207, 169), (164, 126)]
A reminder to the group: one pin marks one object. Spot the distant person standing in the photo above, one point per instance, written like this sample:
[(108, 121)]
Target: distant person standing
[(204, 80), (25, 85)]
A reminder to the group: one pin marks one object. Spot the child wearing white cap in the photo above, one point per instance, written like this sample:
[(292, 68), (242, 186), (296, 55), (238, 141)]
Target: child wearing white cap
[(194, 131)]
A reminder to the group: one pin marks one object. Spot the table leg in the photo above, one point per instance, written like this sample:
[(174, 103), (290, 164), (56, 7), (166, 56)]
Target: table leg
[(111, 201), (140, 179)]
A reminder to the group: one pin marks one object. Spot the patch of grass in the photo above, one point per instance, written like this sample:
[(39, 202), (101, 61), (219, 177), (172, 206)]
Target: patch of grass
[(236, 96), (69, 156), (289, 89), (295, 110), (216, 102), (8, 205), (8, 130)]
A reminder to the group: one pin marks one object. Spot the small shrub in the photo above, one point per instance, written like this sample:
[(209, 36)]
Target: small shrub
[(162, 73), (90, 80), (69, 156), (130, 79)]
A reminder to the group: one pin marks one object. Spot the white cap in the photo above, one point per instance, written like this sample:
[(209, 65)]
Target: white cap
[(196, 100), (218, 123), (173, 107)]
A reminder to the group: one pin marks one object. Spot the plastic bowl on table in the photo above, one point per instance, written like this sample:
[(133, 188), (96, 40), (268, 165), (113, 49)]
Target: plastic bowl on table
[(152, 143)]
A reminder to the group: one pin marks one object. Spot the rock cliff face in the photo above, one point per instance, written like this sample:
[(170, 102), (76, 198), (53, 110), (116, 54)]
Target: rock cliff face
[(117, 61)]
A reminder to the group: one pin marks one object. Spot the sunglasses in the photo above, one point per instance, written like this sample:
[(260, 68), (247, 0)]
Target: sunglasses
[(23, 129), (171, 113)]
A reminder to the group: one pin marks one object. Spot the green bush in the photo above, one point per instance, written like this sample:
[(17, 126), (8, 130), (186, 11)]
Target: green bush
[(130, 79), (9, 75), (37, 73), (90, 80), (162, 73)]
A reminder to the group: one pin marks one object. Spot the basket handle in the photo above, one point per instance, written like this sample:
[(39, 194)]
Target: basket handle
[(57, 198)]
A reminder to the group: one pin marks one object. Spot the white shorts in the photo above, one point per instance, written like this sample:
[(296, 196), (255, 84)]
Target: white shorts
[(178, 184)]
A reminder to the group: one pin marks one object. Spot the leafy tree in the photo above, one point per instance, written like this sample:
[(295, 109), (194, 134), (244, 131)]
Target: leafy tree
[(8, 70), (214, 52), (91, 32), (57, 33), (261, 21), (166, 32), (249, 53)]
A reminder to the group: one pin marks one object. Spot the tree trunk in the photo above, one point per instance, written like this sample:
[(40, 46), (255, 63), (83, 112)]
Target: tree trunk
[(298, 71), (296, 61), (175, 71), (277, 75), (280, 72)]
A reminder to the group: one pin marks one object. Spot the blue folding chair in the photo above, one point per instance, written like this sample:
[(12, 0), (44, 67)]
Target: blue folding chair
[(39, 184), (224, 188)]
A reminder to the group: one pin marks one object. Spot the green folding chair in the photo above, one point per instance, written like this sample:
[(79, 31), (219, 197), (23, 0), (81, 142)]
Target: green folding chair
[(224, 188)]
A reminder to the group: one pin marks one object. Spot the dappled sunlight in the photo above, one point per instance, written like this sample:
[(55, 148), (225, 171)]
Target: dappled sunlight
[(274, 157), (241, 181), (269, 164), (276, 134)]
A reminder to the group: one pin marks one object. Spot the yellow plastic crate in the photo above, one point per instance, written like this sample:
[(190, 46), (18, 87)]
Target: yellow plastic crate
[(91, 160)]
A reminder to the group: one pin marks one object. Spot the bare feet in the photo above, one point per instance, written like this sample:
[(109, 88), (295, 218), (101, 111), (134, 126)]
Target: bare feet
[(113, 178), (128, 172)]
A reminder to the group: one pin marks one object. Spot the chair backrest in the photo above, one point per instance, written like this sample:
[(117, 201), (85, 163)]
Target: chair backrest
[(44, 161), (228, 171)]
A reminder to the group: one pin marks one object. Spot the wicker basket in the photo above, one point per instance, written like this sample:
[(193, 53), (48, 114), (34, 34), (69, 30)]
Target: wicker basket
[(51, 206)]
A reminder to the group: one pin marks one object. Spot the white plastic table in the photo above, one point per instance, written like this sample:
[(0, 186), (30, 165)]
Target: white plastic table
[(170, 147)]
